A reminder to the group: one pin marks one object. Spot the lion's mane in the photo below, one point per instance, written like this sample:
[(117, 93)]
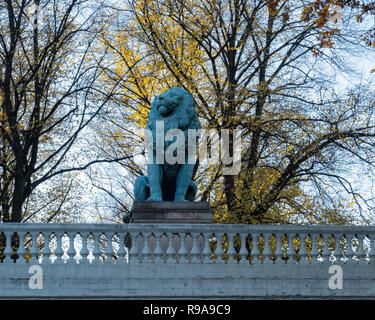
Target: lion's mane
[(183, 117)]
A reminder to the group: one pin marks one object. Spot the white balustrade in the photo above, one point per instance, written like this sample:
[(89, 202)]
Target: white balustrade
[(183, 244)]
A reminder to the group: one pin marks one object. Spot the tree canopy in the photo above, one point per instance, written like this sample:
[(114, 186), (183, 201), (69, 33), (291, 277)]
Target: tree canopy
[(266, 68)]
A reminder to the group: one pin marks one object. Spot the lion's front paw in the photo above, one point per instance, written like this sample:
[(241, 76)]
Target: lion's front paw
[(155, 197)]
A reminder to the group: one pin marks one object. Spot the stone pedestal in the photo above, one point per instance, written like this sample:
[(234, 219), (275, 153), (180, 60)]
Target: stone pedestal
[(171, 212)]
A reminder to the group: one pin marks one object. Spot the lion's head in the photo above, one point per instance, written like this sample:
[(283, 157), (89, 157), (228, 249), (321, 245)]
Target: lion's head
[(176, 107)]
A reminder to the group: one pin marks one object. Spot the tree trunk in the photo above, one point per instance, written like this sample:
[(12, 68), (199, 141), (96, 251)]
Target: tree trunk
[(18, 196)]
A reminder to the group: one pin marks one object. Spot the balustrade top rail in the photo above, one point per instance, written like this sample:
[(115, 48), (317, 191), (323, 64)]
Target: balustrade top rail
[(181, 243), (103, 227)]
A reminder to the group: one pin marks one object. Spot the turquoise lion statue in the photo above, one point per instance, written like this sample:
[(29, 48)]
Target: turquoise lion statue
[(175, 108)]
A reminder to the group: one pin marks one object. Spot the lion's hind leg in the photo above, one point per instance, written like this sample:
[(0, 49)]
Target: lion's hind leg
[(141, 188), (183, 181)]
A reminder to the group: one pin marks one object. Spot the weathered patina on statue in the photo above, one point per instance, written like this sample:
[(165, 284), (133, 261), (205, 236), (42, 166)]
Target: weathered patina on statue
[(175, 108)]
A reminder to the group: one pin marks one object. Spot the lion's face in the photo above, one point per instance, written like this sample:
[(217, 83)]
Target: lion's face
[(176, 108), (169, 101)]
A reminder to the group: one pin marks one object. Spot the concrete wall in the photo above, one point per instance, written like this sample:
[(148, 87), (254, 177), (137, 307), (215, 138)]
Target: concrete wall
[(186, 281)]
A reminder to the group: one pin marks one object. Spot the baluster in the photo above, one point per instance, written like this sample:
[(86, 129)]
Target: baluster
[(142, 240), (279, 253), (33, 248), (61, 247), (96, 252), (84, 250), (231, 249), (59, 251), (123, 255), (372, 249), (8, 248), (255, 252), (314, 253), (170, 253), (302, 250), (267, 252), (158, 253), (206, 250), (361, 254), (71, 252), (349, 249), (219, 248), (337, 249), (108, 250), (133, 253), (21, 248), (183, 252), (50, 248), (2, 246), (147, 252), (291, 251), (15, 247), (326, 252), (195, 252), (243, 249), (103, 245)]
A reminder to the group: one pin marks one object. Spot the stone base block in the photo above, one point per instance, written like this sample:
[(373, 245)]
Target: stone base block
[(171, 212)]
